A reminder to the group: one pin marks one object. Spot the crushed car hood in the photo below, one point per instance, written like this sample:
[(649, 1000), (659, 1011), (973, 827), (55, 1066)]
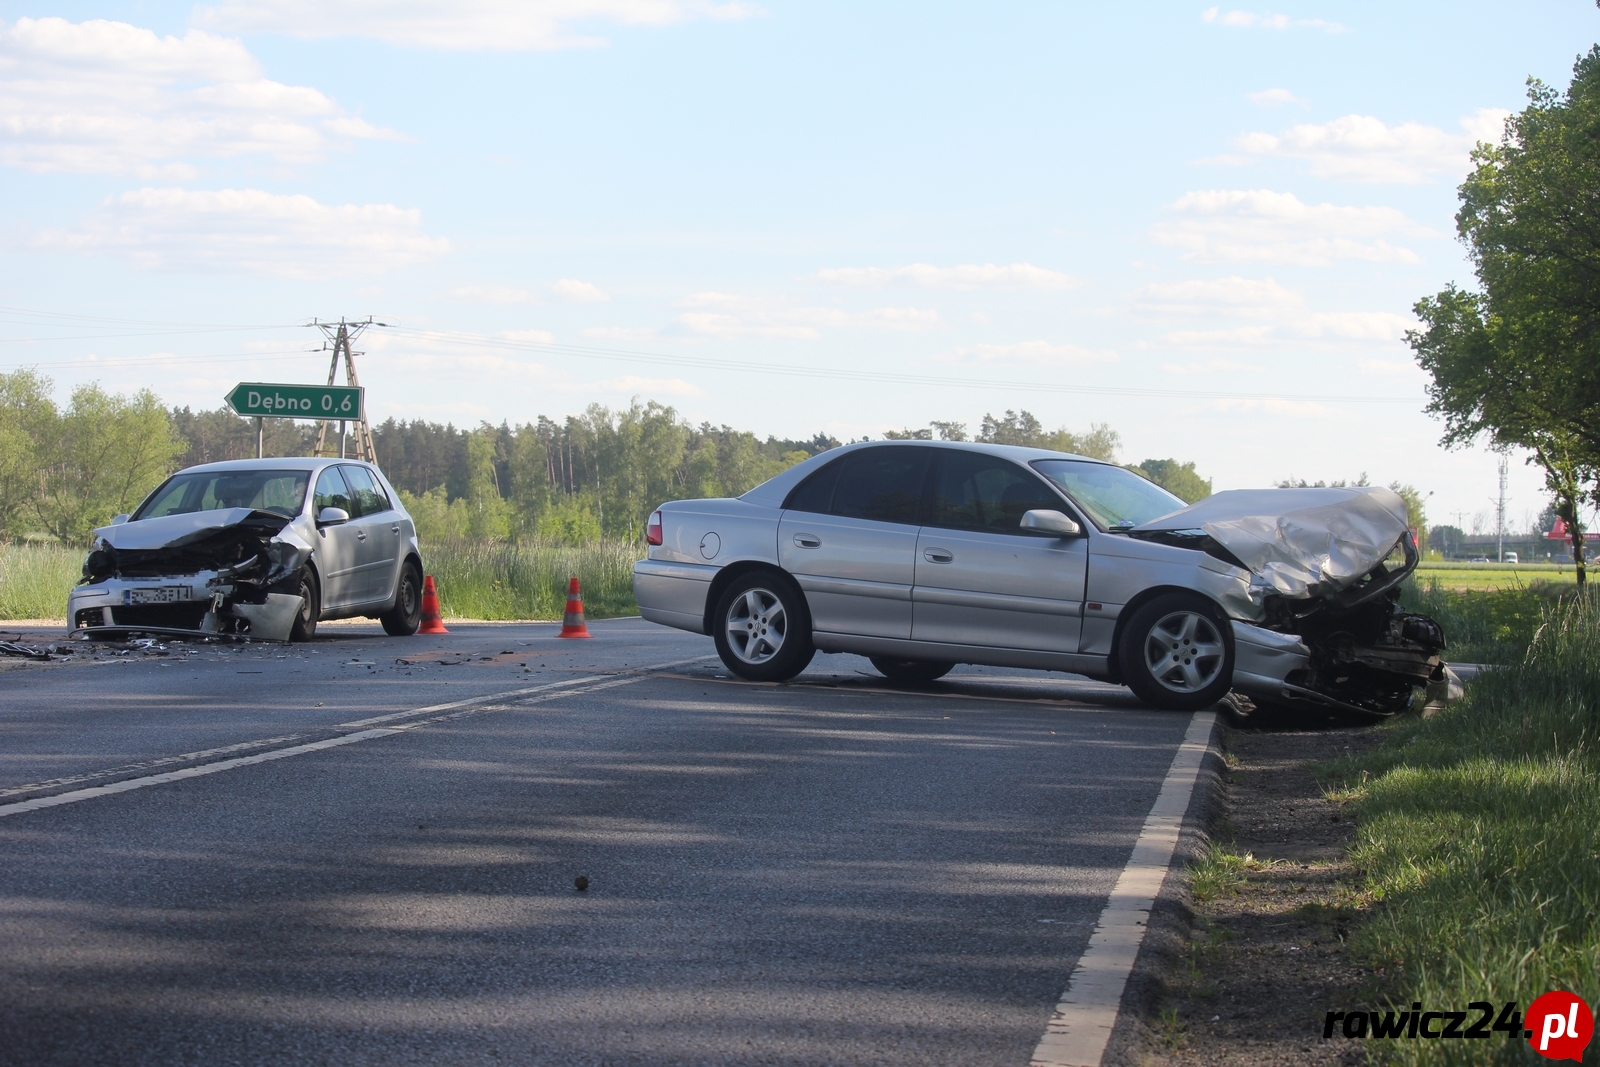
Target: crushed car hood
[(1298, 543), (175, 531)]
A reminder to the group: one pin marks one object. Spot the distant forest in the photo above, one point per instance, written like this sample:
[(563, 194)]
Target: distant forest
[(602, 472), (65, 469)]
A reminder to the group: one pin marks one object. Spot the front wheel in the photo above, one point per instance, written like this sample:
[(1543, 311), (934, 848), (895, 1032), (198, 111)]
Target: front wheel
[(405, 617), (1176, 653), (762, 628), (305, 623), (911, 671)]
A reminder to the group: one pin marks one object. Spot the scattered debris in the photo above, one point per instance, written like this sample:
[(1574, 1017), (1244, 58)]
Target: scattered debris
[(25, 651)]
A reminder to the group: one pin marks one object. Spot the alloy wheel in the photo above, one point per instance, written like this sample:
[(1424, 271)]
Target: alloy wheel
[(1184, 651)]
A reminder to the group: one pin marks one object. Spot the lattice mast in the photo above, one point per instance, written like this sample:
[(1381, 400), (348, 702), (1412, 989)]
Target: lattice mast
[(337, 340)]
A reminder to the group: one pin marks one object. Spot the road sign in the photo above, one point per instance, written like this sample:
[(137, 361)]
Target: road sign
[(297, 401)]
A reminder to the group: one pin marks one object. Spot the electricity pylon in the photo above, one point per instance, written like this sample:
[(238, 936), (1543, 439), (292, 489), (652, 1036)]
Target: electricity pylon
[(338, 337)]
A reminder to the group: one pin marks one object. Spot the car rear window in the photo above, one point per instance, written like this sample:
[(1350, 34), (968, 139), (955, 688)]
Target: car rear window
[(280, 492), (881, 484)]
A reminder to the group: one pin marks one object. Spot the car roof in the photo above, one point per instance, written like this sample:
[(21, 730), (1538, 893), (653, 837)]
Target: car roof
[(775, 490), (278, 463)]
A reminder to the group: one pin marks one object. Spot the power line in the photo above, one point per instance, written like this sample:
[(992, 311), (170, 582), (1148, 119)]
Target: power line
[(791, 370)]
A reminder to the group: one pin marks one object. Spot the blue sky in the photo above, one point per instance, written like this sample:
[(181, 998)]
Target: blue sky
[(1203, 225)]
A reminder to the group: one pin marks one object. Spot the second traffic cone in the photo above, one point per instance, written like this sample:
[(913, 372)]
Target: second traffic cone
[(432, 621), (572, 624)]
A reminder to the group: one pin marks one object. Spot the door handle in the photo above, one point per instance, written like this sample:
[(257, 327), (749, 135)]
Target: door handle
[(807, 541), (395, 529), (939, 555), (361, 535)]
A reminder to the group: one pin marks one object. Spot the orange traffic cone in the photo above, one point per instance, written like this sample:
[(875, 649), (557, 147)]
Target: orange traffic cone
[(573, 625), (432, 621)]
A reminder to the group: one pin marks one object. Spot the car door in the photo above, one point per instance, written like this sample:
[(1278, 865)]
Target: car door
[(336, 545), (849, 536), (981, 580), (377, 535)]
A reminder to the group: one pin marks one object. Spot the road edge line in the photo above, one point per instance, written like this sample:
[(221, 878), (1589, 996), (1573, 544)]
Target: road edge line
[(1084, 1018)]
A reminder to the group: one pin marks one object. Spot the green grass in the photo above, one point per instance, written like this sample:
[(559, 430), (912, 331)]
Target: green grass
[(35, 580), (478, 580), (1484, 626), (1479, 839), (1493, 576)]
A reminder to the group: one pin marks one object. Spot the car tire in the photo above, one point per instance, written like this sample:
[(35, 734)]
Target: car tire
[(762, 627), (305, 623), (911, 671), (1177, 652), (405, 617)]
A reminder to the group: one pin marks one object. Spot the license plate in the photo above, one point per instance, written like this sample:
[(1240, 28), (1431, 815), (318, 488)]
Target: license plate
[(161, 594)]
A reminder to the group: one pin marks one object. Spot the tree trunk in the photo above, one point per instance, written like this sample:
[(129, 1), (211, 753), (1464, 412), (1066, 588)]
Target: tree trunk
[(1567, 508)]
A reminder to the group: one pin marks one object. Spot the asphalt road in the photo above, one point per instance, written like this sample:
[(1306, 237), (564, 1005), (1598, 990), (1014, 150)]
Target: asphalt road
[(824, 872)]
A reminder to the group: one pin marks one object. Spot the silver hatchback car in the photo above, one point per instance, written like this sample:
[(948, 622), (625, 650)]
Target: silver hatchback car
[(921, 555), (263, 548)]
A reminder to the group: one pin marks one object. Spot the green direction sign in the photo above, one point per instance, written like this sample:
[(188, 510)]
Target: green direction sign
[(297, 401)]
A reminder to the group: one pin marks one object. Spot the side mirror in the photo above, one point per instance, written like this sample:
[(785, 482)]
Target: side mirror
[(332, 516), (118, 520), (1050, 523)]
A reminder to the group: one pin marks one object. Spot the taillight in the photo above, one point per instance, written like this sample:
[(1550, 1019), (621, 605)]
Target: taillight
[(652, 531)]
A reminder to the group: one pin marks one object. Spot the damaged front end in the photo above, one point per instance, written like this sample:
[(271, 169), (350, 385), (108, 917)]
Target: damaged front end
[(1354, 651), (226, 573), (1323, 628)]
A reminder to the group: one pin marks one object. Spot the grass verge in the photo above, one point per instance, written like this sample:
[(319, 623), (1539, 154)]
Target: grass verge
[(1479, 839), (35, 580), (478, 580)]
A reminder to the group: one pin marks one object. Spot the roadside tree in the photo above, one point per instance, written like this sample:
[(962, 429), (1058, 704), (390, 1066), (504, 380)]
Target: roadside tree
[(1518, 363)]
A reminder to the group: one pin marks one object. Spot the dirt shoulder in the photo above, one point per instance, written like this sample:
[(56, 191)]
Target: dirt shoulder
[(1265, 959)]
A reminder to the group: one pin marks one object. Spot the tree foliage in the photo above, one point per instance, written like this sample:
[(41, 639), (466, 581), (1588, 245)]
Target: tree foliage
[(1518, 363)]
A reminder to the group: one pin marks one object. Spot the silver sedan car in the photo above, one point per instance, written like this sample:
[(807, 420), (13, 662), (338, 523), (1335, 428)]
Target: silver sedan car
[(262, 548), (922, 555)]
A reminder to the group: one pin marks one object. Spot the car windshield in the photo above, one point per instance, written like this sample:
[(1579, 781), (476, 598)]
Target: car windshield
[(1114, 498), (280, 492)]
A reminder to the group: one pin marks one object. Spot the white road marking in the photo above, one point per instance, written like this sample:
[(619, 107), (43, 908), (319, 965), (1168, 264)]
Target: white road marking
[(454, 710), (1077, 1033)]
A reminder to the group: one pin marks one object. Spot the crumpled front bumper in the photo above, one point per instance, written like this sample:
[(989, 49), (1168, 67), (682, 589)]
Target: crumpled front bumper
[(187, 605)]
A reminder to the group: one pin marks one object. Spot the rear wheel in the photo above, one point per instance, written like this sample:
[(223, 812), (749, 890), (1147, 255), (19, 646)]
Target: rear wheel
[(1176, 653), (405, 617), (305, 623), (911, 671), (762, 628)]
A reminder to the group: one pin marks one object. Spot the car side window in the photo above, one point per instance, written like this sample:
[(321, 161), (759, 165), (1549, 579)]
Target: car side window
[(977, 492), (881, 484), (369, 496), (332, 493)]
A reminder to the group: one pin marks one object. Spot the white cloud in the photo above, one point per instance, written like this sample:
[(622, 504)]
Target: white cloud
[(1265, 20), (1262, 226), (634, 384), (1360, 148), (499, 25), (620, 333), (1042, 353), (103, 97), (1275, 406), (1212, 366), (576, 292), (727, 315), (538, 337), (493, 294), (252, 231), (1274, 98), (966, 276), (1389, 368), (1322, 328), (1246, 297)]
